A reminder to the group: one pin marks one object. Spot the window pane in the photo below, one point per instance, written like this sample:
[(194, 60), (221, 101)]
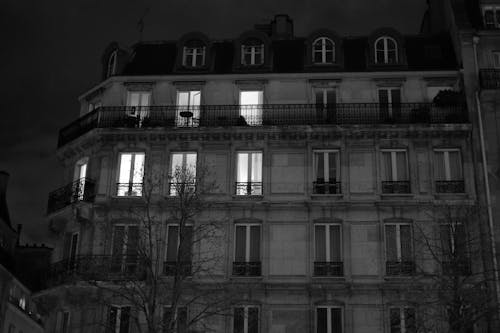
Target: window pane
[(176, 165), (321, 324), (318, 97), (186, 244), (125, 166), (391, 243), (256, 167), (118, 240), (195, 97), (112, 319), (446, 247), (386, 166), (439, 169), (134, 99), (181, 320), (336, 317), (191, 166), (253, 320), (402, 170), (335, 243), (383, 96), (255, 243), (125, 319), (332, 167), (138, 168), (395, 93), (132, 240), (240, 243), (455, 165), (242, 167), (395, 320), (406, 242), (173, 233), (460, 242), (410, 324), (320, 166), (182, 98), (320, 242), (239, 320)]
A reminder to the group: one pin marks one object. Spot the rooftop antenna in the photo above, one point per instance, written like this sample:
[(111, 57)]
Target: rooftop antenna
[(140, 24)]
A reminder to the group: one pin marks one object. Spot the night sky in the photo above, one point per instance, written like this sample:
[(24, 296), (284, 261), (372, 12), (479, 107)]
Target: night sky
[(52, 49)]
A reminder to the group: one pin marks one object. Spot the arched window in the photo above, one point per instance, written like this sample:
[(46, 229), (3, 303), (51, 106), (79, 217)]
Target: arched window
[(323, 51), (111, 65), (386, 50), (194, 54), (252, 52)]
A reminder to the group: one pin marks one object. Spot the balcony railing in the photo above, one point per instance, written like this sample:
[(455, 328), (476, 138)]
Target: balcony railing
[(95, 268), (248, 188), (21, 305), (399, 267), (489, 78), (450, 186), (129, 189), (328, 268), (175, 188), (262, 115), (396, 187), (183, 268), (331, 187), (82, 189), (247, 268), (456, 268)]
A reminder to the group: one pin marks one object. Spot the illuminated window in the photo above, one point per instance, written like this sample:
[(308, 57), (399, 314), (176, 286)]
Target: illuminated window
[(183, 172), (386, 50), (323, 51), (131, 174), (251, 106), (249, 173), (188, 108)]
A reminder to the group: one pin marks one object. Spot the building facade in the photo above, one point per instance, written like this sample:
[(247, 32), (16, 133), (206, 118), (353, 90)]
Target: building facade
[(329, 155)]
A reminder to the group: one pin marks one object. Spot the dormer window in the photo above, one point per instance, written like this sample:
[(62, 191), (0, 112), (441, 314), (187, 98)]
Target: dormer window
[(111, 70), (252, 52), (491, 17), (194, 54), (323, 51), (386, 50)]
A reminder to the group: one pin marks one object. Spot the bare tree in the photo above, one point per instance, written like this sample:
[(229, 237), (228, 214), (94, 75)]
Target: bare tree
[(452, 287), (170, 260)]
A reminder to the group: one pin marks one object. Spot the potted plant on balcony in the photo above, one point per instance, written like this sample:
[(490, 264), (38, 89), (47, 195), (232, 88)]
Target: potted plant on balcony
[(452, 100)]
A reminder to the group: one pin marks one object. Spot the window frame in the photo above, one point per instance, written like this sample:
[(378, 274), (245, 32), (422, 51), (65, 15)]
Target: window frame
[(323, 51), (65, 325), (495, 9), (394, 164), (194, 52), (329, 317), (246, 307), (131, 173), (326, 165), (169, 225), (118, 320), (193, 120), (399, 248), (328, 240), (171, 191), (496, 57), (385, 49), (402, 317), (249, 171), (123, 252), (176, 315), (446, 163), (253, 51), (248, 239)]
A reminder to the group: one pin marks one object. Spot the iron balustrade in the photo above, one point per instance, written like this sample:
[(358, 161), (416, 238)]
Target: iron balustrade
[(129, 189), (169, 116), (489, 78), (95, 268), (82, 189), (328, 268), (247, 268), (175, 188), (248, 188), (396, 186), (182, 268), (331, 187), (457, 267), (399, 267), (450, 186)]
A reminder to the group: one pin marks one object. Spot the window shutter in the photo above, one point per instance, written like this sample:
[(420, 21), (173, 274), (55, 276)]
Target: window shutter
[(336, 317), (406, 242), (335, 243), (254, 243), (240, 245), (173, 232), (321, 324), (390, 243), (239, 320), (319, 238)]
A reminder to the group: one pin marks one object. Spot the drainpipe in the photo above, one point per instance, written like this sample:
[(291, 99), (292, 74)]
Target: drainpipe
[(475, 42)]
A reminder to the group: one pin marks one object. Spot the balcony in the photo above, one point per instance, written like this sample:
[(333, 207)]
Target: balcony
[(247, 268), (248, 188), (396, 187), (82, 189), (328, 268), (450, 186), (129, 189), (489, 78), (176, 188), (331, 187), (394, 268), (182, 268), (95, 268), (169, 116)]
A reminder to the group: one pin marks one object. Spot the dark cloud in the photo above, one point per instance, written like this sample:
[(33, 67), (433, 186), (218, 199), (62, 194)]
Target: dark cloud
[(51, 54)]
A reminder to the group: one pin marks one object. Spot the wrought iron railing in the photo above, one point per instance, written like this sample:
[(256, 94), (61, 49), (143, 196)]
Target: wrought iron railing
[(95, 268), (450, 186), (396, 187), (328, 268), (183, 268), (247, 268), (21, 305), (489, 78), (129, 189), (457, 267), (331, 187), (175, 188), (261, 115), (248, 188), (82, 189), (399, 267)]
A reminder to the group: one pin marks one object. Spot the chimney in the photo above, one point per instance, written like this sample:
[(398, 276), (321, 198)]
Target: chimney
[(4, 211), (282, 27)]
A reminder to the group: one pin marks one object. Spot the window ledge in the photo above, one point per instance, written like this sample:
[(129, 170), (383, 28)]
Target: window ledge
[(248, 197), (328, 278), (396, 195), (246, 277), (337, 196), (447, 196)]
